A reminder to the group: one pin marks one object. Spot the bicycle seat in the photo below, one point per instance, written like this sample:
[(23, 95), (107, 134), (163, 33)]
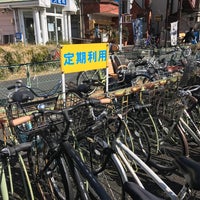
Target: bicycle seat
[(83, 88), (137, 192), (22, 95), (190, 170)]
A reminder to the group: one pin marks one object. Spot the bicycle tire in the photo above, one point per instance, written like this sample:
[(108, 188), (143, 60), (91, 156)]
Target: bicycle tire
[(49, 172), (75, 162), (105, 165), (92, 78), (170, 145), (194, 113), (140, 139)]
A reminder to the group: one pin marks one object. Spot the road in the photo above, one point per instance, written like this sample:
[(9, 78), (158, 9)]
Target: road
[(43, 82)]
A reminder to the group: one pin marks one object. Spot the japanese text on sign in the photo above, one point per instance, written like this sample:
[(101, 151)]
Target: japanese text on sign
[(82, 57), (59, 2)]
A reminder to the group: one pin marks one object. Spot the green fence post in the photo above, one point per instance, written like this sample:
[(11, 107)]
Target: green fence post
[(28, 80)]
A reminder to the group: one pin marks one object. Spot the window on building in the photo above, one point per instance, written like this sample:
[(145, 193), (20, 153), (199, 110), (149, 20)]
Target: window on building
[(51, 28), (55, 9), (124, 6), (59, 9), (8, 39), (50, 10)]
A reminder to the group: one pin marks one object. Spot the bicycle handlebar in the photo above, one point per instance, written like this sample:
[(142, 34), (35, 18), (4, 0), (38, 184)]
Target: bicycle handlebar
[(21, 120), (103, 118), (10, 151), (24, 119)]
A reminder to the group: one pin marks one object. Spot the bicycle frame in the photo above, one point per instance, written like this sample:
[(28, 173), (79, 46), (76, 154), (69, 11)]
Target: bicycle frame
[(120, 155), (4, 188), (3, 182), (187, 129), (168, 191), (6, 163)]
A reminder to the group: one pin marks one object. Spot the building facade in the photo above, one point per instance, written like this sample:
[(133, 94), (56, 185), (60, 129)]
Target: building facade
[(43, 21), (36, 21), (100, 19), (158, 16)]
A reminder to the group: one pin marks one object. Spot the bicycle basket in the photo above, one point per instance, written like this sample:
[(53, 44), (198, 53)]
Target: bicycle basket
[(84, 116), (15, 110), (169, 105), (81, 117)]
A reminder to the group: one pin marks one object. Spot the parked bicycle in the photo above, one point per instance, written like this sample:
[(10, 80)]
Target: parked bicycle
[(120, 76), (10, 153), (116, 165), (57, 168)]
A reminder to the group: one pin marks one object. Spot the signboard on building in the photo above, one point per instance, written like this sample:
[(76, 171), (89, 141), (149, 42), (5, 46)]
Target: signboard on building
[(18, 36), (126, 18), (138, 31), (158, 18), (173, 33), (59, 2), (83, 57)]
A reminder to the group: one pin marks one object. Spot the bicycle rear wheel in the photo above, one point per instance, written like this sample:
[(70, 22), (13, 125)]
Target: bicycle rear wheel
[(88, 185), (92, 79), (51, 176)]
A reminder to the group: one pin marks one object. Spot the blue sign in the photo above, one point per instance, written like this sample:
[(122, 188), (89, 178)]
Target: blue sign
[(59, 2), (196, 39), (18, 36)]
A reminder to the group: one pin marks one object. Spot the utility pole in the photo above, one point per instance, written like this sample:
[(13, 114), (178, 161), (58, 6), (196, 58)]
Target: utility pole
[(120, 20), (166, 22), (179, 14), (81, 18), (120, 25)]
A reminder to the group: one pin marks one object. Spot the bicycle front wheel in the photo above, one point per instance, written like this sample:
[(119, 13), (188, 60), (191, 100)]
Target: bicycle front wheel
[(49, 171), (141, 141), (172, 143)]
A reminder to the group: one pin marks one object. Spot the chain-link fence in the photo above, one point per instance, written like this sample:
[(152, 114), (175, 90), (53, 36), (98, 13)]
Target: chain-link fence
[(43, 75)]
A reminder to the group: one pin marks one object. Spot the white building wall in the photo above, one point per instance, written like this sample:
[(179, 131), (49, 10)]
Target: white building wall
[(44, 29), (37, 27), (8, 26)]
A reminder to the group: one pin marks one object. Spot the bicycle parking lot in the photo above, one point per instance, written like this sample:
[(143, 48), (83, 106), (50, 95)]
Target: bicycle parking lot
[(172, 178)]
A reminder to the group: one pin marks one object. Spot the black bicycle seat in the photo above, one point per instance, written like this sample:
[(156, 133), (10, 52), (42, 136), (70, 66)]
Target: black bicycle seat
[(22, 95), (83, 88), (190, 170), (137, 192)]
